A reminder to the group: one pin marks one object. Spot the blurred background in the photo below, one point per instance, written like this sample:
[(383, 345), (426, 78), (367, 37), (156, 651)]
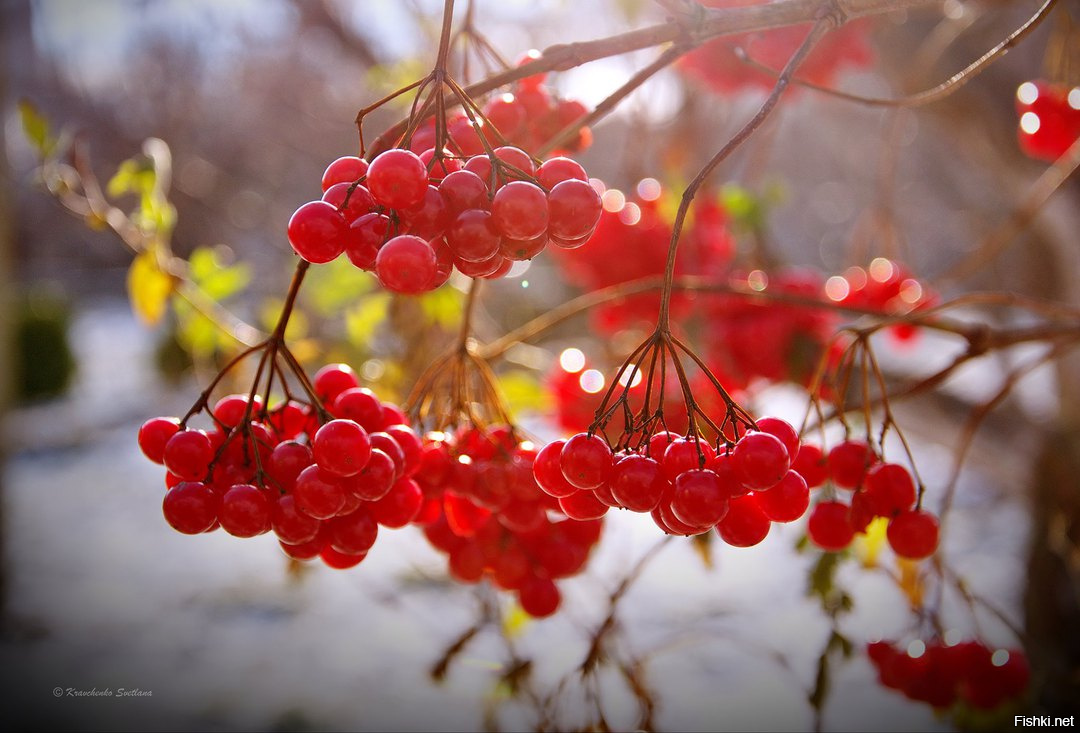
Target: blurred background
[(253, 100)]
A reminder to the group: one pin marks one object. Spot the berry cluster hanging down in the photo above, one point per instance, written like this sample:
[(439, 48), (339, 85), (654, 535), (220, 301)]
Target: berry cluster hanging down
[(1049, 118)]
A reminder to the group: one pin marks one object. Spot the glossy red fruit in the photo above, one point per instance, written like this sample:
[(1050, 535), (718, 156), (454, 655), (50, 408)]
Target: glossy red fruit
[(154, 434), (517, 158), (365, 238), (539, 597), (784, 431), (345, 169), (830, 527), (400, 506), (245, 511), (354, 533), (473, 236), (428, 219), (188, 454), (230, 410), (519, 210), (811, 464), (318, 494), (556, 170), (848, 463), (586, 460), (699, 499), (360, 405), (788, 500), (547, 470), (290, 524), (341, 448), (406, 264), (913, 534), (637, 483), (190, 507), (352, 200), (760, 461), (333, 379), (377, 478), (339, 560), (745, 523), (317, 232), (462, 190), (889, 489), (582, 504), (685, 455), (397, 179), (573, 209)]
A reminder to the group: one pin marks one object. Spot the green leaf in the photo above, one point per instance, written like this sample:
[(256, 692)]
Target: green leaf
[(823, 574), (135, 175), (747, 210), (148, 288), (362, 319), (36, 128), (523, 391), (333, 286), (209, 269), (443, 306)]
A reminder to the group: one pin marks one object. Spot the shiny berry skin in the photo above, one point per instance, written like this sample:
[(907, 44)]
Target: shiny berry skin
[(518, 250), (582, 504), (397, 178), (385, 442), (556, 170), (377, 478), (547, 470), (698, 499), (1049, 119), (364, 239), (360, 405), (333, 379), (154, 434), (352, 201), (290, 524), (190, 507), (479, 269), (782, 430), (788, 500), (913, 534), (345, 169), (517, 158), (586, 461), (519, 210), (848, 463), (745, 523), (188, 454), (684, 455), (573, 209), (539, 597), (430, 218), (760, 461), (339, 560), (889, 489), (400, 506), (317, 232), (830, 527), (245, 511), (341, 448), (463, 190), (354, 533), (810, 463), (406, 264), (637, 483), (411, 446), (231, 409), (318, 494), (472, 236)]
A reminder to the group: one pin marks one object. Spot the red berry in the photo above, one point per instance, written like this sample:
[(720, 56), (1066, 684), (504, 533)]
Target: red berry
[(400, 506), (188, 454), (154, 434), (190, 507), (406, 264), (519, 250), (699, 499), (573, 209), (517, 158), (811, 465), (519, 210), (782, 430), (463, 190), (472, 236), (364, 238), (788, 500), (410, 444), (745, 523), (539, 597), (354, 533), (557, 170), (760, 460), (913, 534), (318, 494), (290, 524), (586, 461), (637, 483), (849, 462), (377, 478), (332, 380), (245, 511), (582, 504), (429, 218), (353, 201), (317, 232), (547, 470), (339, 560), (397, 178), (231, 409), (889, 489), (341, 448), (346, 169), (830, 527), (360, 405)]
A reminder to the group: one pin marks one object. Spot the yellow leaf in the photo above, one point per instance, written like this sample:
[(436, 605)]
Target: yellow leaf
[(868, 546), (515, 621), (911, 581), (148, 288)]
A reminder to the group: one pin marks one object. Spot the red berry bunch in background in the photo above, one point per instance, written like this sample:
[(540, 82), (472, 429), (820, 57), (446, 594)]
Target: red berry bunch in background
[(943, 675), (1049, 118), (323, 488), (631, 242), (719, 64), (877, 490), (413, 219), (687, 485), (885, 286), (485, 511)]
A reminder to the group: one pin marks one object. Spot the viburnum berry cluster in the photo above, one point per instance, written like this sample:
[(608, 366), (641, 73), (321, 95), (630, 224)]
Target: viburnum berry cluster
[(877, 489), (322, 480), (485, 511), (414, 218), (1049, 118), (968, 673)]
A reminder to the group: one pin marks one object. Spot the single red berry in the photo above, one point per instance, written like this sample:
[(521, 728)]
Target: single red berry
[(365, 238), (517, 158), (547, 470), (429, 218), (317, 232), (190, 507), (473, 236), (290, 524), (188, 454), (339, 560), (154, 434), (760, 460), (519, 250), (341, 448), (406, 264), (386, 443), (637, 483), (354, 533), (848, 463), (586, 460), (539, 597), (574, 208), (519, 210), (400, 506), (318, 494), (810, 463), (582, 504), (353, 201), (285, 463), (788, 500), (745, 523), (913, 534), (377, 478), (333, 379), (830, 527), (782, 430), (685, 455), (557, 170), (463, 190), (231, 409), (245, 511), (699, 500), (889, 489), (409, 442), (360, 405), (479, 269), (345, 169), (397, 178)]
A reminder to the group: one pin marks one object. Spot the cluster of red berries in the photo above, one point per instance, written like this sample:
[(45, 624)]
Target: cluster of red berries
[(720, 66), (687, 485), (885, 286), (323, 489), (943, 675), (527, 116), (1049, 118), (485, 511), (631, 242), (877, 490), (414, 218)]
